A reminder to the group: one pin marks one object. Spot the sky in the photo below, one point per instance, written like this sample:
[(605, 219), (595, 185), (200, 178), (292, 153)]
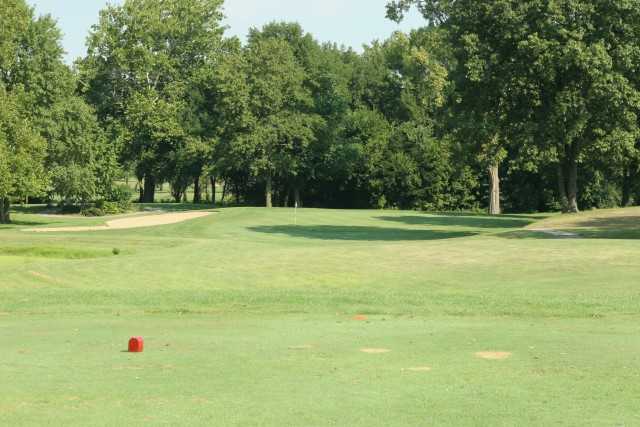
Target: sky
[(346, 22)]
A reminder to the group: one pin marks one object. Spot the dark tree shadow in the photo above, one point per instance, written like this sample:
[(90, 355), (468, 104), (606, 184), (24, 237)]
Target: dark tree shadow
[(460, 221), (530, 217), (173, 207), (17, 224), (613, 228), (357, 233)]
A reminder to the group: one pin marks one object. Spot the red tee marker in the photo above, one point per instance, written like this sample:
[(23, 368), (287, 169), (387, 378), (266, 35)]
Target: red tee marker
[(136, 345)]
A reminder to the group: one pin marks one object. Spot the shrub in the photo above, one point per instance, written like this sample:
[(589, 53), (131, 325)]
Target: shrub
[(69, 208), (93, 211), (109, 208), (121, 195)]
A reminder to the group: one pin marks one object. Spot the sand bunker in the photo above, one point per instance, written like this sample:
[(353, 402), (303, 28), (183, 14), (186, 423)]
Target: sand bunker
[(129, 222), (493, 355)]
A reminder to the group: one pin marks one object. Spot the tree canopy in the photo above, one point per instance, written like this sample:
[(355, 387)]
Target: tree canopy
[(500, 105)]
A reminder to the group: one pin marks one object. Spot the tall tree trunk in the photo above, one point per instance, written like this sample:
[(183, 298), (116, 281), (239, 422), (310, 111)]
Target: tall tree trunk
[(197, 191), (562, 189), (626, 186), (224, 191), (140, 191), (572, 185), (5, 204), (287, 194), (296, 196), (149, 195), (213, 190), (268, 192), (494, 196)]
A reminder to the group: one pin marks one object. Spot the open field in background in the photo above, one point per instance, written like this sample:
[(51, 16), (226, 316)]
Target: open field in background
[(163, 192), (249, 319)]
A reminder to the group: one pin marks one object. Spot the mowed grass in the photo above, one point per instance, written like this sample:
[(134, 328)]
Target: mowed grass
[(249, 317)]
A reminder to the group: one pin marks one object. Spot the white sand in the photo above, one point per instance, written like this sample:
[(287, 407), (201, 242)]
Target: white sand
[(129, 222)]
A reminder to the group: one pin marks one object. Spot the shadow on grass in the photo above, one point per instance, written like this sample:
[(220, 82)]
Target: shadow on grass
[(529, 217), (18, 224), (357, 233), (461, 221), (173, 207), (613, 228)]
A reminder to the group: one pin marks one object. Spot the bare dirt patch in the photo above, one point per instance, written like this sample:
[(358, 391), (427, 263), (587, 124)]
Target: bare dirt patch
[(301, 347), (375, 350), (493, 355), (419, 369), (360, 317), (130, 222), (556, 233), (42, 276)]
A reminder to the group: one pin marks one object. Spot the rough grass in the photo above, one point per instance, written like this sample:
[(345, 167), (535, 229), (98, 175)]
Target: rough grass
[(249, 320)]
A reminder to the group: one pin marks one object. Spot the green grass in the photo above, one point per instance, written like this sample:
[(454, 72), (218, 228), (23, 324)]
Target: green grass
[(248, 320)]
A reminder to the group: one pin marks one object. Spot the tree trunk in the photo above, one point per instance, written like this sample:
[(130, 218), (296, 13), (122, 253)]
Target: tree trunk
[(572, 185), (237, 187), (5, 204), (296, 197), (197, 191), (562, 189), (213, 190), (626, 186), (224, 191), (140, 191), (269, 191), (286, 197), (494, 196), (149, 195)]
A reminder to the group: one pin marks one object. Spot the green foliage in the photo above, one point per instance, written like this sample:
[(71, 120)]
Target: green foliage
[(144, 74), (93, 212), (121, 195)]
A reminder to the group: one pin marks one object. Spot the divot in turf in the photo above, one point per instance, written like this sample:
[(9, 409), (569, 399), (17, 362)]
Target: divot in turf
[(493, 355), (375, 350)]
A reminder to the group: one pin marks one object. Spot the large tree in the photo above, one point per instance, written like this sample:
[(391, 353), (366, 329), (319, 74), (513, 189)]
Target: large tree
[(22, 155), (38, 91), (144, 63), (283, 123), (563, 67)]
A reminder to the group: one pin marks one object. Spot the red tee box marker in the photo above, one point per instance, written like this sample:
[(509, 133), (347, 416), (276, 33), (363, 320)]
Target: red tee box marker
[(136, 345)]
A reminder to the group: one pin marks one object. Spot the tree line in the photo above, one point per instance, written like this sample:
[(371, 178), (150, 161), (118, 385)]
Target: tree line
[(506, 105)]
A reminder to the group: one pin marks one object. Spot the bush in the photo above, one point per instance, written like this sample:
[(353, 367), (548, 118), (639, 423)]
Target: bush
[(111, 208), (69, 208), (94, 211), (121, 195)]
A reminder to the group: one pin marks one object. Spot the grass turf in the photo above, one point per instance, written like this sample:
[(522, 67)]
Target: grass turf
[(248, 320)]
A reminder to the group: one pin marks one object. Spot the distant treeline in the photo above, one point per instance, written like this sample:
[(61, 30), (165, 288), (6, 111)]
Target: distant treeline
[(502, 104)]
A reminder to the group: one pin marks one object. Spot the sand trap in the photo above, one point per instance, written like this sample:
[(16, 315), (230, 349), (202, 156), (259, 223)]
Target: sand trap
[(375, 350), (493, 355), (129, 222), (556, 233)]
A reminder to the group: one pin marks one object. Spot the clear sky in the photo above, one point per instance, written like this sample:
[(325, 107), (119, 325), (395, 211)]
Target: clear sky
[(349, 22)]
